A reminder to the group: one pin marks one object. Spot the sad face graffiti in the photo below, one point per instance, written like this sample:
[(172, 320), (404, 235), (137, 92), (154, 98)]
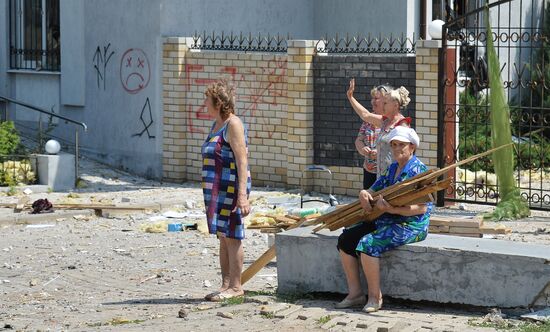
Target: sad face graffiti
[(135, 71)]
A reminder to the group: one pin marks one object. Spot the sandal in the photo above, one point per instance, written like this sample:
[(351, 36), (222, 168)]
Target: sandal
[(372, 306), (350, 303), (220, 297), (208, 297)]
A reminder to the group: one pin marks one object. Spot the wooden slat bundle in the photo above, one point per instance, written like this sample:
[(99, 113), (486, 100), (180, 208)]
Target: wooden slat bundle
[(415, 189)]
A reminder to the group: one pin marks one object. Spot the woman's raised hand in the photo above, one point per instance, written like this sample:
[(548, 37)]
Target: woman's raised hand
[(351, 88)]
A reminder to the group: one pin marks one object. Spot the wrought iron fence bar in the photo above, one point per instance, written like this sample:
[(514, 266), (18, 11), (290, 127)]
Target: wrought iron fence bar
[(240, 42), (475, 11), (367, 44)]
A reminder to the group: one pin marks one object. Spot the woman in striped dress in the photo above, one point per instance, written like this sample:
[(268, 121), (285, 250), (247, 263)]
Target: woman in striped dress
[(226, 185)]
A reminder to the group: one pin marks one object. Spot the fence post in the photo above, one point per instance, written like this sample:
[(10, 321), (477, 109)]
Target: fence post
[(427, 70), (174, 159), (299, 110)]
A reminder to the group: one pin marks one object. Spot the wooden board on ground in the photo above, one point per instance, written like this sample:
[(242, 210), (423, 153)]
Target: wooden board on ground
[(455, 222)]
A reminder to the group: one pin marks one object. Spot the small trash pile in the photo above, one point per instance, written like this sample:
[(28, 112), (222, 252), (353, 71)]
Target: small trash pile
[(172, 221)]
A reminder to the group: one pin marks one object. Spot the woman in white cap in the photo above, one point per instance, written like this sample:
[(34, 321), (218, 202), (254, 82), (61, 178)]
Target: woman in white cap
[(396, 227), (392, 103)]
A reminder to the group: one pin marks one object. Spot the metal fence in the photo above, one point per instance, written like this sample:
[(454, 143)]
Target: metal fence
[(34, 35), (523, 48), (378, 44), (241, 42)]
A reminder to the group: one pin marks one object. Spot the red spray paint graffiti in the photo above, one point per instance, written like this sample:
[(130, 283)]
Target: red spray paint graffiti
[(135, 71), (251, 92)]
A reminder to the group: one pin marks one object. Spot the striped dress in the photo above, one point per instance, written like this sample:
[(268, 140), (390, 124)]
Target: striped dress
[(220, 185)]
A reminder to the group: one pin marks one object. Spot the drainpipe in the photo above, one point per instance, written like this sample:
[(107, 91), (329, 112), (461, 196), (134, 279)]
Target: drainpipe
[(423, 19)]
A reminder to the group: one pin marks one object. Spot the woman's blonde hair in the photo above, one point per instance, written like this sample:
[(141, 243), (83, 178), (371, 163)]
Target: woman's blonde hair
[(384, 89), (223, 95), (401, 95)]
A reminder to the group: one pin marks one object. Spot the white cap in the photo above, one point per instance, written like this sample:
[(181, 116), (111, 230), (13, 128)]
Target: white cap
[(404, 134)]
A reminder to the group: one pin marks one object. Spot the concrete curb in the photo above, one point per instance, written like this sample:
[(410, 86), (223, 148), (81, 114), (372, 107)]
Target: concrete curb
[(24, 218)]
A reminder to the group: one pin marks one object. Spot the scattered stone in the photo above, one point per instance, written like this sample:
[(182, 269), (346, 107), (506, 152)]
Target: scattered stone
[(183, 313), (81, 217), (341, 323), (302, 317), (33, 282), (5, 281), (189, 204), (8, 327), (206, 283), (27, 191), (270, 310), (71, 267), (204, 252), (361, 325), (227, 315), (125, 200), (204, 307)]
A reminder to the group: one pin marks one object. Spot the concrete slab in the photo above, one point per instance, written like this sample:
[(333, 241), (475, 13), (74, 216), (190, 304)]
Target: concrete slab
[(445, 269)]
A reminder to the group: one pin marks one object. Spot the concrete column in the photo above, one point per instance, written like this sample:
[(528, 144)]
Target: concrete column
[(299, 110), (173, 96), (427, 60)]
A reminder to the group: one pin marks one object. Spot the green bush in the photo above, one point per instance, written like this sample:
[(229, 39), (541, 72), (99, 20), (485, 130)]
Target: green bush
[(475, 136), (9, 138), (474, 130)]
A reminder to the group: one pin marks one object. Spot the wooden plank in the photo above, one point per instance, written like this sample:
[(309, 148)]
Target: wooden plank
[(264, 259), (457, 222), (259, 264), (501, 229), (438, 229), (464, 230), (463, 234), (284, 219)]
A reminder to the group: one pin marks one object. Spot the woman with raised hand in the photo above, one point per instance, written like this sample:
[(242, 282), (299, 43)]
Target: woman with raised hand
[(394, 102)]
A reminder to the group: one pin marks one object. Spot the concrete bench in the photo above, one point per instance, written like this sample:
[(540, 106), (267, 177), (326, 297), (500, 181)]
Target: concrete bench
[(444, 269)]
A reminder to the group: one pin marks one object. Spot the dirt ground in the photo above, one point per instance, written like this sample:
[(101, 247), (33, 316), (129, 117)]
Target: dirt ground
[(95, 273)]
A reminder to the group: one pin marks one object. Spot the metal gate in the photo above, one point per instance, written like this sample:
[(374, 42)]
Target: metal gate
[(521, 33)]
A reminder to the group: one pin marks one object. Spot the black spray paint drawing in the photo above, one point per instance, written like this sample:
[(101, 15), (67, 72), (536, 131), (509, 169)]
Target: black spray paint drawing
[(101, 59), (149, 116)]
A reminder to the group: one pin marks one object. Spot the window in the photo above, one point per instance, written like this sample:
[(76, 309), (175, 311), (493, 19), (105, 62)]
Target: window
[(34, 35)]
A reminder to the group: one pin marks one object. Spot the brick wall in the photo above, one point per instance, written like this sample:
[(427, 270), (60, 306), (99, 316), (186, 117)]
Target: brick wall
[(261, 90), (336, 124), (426, 103), (295, 107)]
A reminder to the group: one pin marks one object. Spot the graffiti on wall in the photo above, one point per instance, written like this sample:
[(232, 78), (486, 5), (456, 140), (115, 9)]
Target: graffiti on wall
[(146, 118), (135, 70), (101, 60), (251, 92)]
